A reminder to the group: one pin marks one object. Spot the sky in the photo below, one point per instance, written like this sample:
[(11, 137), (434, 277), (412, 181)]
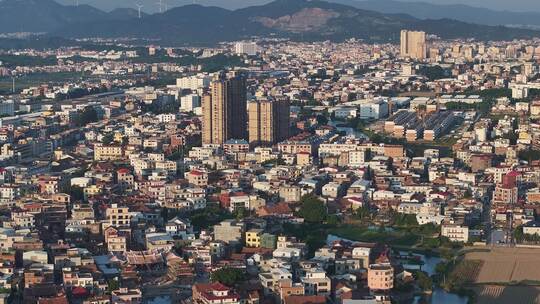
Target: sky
[(509, 5), (152, 6)]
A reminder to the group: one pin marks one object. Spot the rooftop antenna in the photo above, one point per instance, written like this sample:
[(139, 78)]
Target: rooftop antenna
[(139, 6)]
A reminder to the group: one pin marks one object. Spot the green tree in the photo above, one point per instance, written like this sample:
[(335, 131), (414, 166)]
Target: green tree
[(240, 213), (434, 72), (529, 155), (177, 155), (423, 280), (333, 220), (428, 229), (322, 120), (407, 220), (113, 285), (209, 216), (313, 209), (518, 234), (77, 193), (88, 115), (107, 139), (228, 276), (362, 213), (164, 214)]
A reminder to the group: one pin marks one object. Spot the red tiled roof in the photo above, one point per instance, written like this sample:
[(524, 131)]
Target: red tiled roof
[(281, 208), (305, 300), (513, 173), (56, 300), (206, 291), (79, 291)]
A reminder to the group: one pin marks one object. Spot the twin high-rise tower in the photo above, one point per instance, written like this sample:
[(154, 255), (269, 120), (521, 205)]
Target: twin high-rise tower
[(225, 114), (413, 44)]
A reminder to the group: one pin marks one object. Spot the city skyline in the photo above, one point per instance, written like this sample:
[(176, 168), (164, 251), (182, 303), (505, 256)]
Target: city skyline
[(296, 152)]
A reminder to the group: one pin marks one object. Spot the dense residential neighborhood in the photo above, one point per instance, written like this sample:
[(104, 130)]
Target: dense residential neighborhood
[(269, 171)]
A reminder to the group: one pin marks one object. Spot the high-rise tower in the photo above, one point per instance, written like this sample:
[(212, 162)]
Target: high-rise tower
[(224, 110), (268, 121), (413, 44)]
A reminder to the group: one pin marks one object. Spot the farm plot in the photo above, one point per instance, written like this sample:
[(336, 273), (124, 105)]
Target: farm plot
[(466, 271), (505, 265), (493, 294)]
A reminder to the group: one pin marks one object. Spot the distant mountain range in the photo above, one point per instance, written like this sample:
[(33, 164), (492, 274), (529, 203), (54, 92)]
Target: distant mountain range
[(459, 12), (195, 24), (153, 5), (40, 16)]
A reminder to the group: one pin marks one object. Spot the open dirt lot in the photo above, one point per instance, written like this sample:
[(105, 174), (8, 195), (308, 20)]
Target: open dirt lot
[(504, 265)]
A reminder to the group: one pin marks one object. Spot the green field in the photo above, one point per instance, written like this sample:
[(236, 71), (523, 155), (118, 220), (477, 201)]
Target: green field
[(364, 234), (26, 81)]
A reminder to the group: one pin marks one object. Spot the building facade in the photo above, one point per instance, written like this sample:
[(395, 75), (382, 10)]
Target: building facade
[(224, 110), (268, 121), (380, 277), (413, 44)]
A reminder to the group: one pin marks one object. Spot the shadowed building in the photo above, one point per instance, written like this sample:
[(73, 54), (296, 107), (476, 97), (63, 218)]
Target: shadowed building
[(224, 110), (268, 121)]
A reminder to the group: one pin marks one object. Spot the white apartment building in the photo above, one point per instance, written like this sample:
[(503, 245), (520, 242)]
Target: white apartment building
[(456, 233), (193, 82), (189, 102), (374, 110), (248, 48)]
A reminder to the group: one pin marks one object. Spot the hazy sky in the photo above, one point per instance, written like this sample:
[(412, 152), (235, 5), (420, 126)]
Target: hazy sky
[(510, 5), (151, 5)]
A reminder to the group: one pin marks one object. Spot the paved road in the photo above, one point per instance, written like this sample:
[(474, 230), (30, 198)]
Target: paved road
[(497, 236)]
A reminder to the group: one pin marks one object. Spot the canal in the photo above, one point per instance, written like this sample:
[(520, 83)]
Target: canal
[(439, 295)]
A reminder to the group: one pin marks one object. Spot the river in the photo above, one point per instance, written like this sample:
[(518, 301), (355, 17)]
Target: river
[(439, 295), (158, 300), (347, 130)]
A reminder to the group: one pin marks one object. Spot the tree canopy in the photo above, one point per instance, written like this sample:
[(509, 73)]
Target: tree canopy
[(423, 280), (434, 72), (228, 276), (107, 139), (88, 115), (322, 120), (313, 209)]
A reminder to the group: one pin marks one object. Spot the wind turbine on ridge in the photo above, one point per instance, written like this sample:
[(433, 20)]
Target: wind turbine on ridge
[(139, 6)]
